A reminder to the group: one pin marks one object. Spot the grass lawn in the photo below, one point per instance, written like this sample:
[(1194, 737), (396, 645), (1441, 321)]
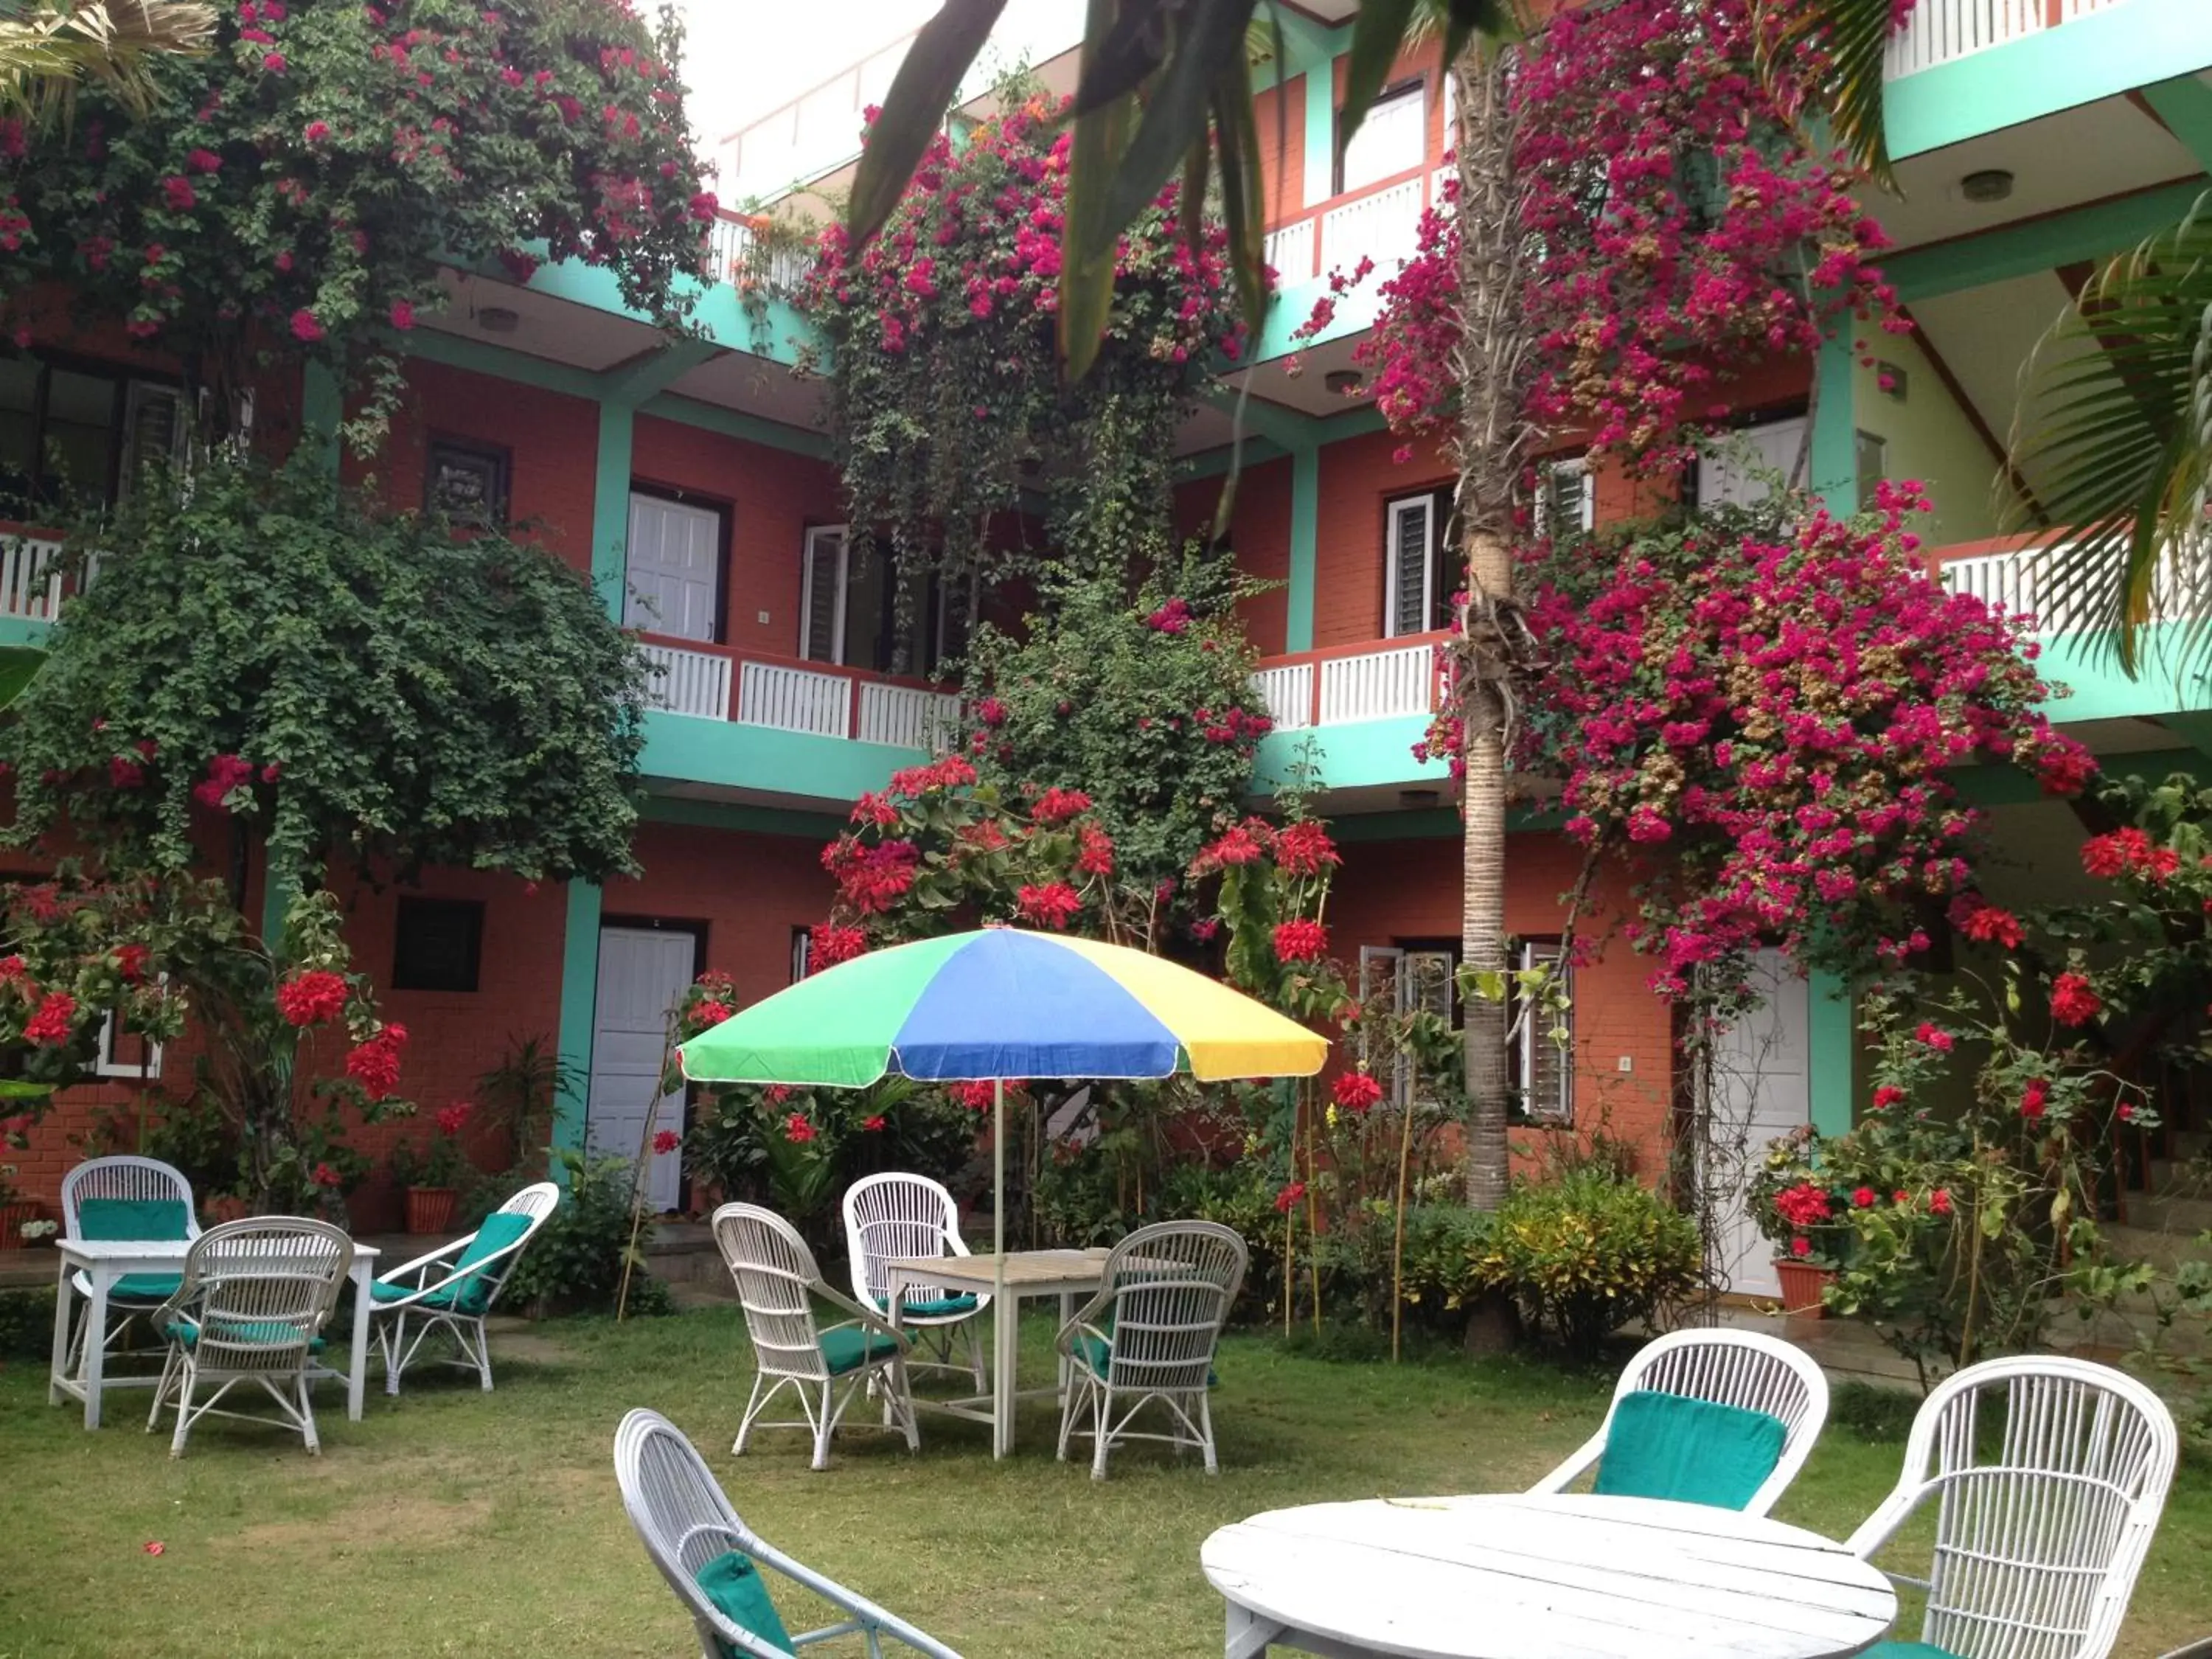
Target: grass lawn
[(454, 1522)]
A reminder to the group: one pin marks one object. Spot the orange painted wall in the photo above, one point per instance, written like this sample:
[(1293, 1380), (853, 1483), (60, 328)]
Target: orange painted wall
[(750, 889), (1280, 117), (1259, 535)]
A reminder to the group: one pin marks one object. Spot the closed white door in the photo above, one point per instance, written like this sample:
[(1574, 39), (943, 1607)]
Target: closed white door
[(643, 973), (1737, 475), (1762, 1090), (675, 567)]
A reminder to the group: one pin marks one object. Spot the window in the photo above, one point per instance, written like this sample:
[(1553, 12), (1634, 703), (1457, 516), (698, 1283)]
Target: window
[(467, 483), (79, 431), (675, 567), (1543, 1064), (1566, 500), (1417, 598), (1740, 473), (125, 1053), (848, 610), (1393, 139), (802, 953), (1870, 457), (1407, 977), (438, 945)]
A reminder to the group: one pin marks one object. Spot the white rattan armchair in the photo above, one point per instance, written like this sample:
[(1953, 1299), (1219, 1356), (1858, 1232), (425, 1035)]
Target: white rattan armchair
[(100, 1196), (2049, 1475), (687, 1524), (255, 1297), (1149, 1335), (892, 1215), (451, 1290), (1745, 1369), (778, 1284)]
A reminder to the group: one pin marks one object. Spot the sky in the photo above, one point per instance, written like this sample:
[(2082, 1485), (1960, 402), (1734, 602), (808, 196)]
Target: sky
[(745, 58)]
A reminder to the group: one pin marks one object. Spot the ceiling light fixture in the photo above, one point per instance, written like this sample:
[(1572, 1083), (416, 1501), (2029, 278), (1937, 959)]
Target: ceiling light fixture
[(1344, 382), (1989, 185), (498, 320)]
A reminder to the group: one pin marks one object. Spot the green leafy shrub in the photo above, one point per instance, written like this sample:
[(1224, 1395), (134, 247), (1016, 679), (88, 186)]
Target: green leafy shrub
[(26, 1324), (576, 1263), (1588, 1252), (1871, 1413)]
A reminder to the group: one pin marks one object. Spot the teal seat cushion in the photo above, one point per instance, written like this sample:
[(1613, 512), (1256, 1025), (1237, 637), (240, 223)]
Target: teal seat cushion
[(1692, 1451), (115, 1219), (853, 1346), (938, 1307), (470, 1295), (146, 1287), (734, 1585), (1096, 1354), (1906, 1650), (271, 1333)]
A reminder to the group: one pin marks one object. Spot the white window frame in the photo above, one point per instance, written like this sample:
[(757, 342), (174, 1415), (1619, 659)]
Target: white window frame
[(1407, 977), (806, 566), (1716, 473), (105, 1064), (1576, 466), (1526, 956), (1414, 91), (1394, 516)]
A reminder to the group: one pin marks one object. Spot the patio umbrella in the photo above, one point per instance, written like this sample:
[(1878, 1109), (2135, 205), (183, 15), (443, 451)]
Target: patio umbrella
[(996, 1004)]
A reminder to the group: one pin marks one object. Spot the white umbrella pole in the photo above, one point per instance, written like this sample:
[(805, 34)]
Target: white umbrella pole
[(1003, 1326)]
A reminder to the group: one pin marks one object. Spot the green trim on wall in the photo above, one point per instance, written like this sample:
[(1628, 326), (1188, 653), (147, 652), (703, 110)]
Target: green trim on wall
[(2104, 55), (1362, 755), (2185, 104), (1321, 133), (275, 899), (1828, 1054), (717, 314), (735, 756), (1834, 467), (735, 423), (24, 630), (1212, 463), (1306, 549), (730, 815), (610, 506), (652, 373), (322, 410), (580, 995), (2044, 244)]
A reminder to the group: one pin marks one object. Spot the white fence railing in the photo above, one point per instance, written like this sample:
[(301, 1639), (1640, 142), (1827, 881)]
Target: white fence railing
[(907, 717), (795, 699), (2012, 582), (30, 579), (1942, 31), (1291, 253), (1286, 692), (736, 249), (694, 683), (1377, 685), (1380, 227)]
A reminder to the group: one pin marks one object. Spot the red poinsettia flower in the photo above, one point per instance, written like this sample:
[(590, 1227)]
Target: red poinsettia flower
[(1939, 1200), (1801, 1246), (326, 1176), (1301, 941), (50, 1026), (665, 1141), (2072, 1000), (2033, 1098), (1863, 1198), (1888, 1095), (872, 1125), (314, 998), (1355, 1091), (1052, 905), (1289, 1196), (453, 1118), (798, 1130)]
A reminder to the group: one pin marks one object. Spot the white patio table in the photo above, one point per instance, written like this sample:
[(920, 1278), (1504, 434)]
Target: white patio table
[(104, 1260), (1529, 1576), (1064, 1274)]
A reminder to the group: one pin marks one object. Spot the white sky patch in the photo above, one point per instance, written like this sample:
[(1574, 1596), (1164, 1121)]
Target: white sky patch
[(745, 58)]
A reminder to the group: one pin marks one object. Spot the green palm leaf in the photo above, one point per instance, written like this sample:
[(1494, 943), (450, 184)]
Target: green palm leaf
[(2116, 433), (1847, 37), (49, 48)]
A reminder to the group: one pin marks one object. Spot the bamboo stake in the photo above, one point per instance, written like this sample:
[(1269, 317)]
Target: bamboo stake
[(637, 1171)]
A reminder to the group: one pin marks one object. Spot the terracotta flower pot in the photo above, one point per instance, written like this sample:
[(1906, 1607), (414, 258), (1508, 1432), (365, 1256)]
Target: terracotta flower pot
[(1802, 1287), (13, 1215), (430, 1209)]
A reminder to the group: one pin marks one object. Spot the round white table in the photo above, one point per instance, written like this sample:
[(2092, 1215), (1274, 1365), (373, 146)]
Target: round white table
[(1541, 1577)]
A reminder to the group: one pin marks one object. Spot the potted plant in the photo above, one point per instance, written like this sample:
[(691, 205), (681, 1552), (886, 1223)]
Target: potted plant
[(433, 1184), (1794, 1202)]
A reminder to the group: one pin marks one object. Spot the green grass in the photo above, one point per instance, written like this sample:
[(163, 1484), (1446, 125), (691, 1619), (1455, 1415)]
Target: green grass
[(454, 1522)]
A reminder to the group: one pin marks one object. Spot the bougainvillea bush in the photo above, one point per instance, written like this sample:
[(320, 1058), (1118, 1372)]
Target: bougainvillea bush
[(300, 188), (1680, 225), (1763, 711), (946, 400)]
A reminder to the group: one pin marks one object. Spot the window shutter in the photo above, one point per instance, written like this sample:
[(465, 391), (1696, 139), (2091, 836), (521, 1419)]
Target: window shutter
[(153, 432), (1378, 987), (1770, 447), (822, 603), (1547, 1067), (1566, 502), (1424, 986), (1412, 564)]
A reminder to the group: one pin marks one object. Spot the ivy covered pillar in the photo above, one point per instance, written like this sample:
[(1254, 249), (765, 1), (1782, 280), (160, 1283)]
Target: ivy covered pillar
[(1833, 477), (1305, 537)]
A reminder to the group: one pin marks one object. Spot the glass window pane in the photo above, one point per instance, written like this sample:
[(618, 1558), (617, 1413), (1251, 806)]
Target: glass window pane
[(79, 436), (1393, 139), (19, 403)]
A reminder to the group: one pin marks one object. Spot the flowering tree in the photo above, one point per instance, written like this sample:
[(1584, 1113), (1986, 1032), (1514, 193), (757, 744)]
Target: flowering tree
[(947, 407), (299, 189)]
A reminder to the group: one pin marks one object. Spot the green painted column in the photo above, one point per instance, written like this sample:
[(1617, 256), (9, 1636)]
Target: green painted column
[(1321, 133), (322, 410), (1831, 1073), (610, 504), (1305, 537), (1834, 478), (579, 990)]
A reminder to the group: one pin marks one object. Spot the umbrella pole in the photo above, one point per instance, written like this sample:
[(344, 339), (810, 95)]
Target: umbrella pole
[(1002, 1381)]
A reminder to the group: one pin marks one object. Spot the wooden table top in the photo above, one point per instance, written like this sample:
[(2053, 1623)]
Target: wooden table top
[(1026, 1270)]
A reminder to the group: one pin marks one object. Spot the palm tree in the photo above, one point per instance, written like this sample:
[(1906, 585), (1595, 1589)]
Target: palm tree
[(50, 47)]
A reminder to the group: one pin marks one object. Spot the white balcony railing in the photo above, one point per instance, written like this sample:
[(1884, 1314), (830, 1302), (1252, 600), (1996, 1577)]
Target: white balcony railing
[(795, 699), (1380, 227), (2012, 582), (695, 683), (743, 249), (1377, 685), (1942, 31), (907, 716), (30, 579), (1286, 692), (1291, 253)]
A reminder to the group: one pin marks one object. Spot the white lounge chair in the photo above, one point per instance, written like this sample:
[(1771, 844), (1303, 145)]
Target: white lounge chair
[(778, 1284), (125, 1197), (1744, 1370), (1149, 1335), (892, 1215), (451, 1288), (2049, 1475), (710, 1558), (251, 1308)]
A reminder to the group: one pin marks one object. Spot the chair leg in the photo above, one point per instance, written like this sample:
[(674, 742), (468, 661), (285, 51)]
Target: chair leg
[(1206, 1428), (161, 1388), (1103, 1396), (307, 1418), (902, 1398), (482, 1354), (1070, 1401), (823, 1427), (976, 1354), (391, 1337), (752, 1410), (188, 1375)]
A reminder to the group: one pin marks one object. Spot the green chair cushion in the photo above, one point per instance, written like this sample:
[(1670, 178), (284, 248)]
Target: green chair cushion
[(851, 1346), (1095, 1354), (1692, 1451), (271, 1333), (115, 1219), (471, 1296), (1906, 1650), (734, 1585), (937, 1307), (145, 1287)]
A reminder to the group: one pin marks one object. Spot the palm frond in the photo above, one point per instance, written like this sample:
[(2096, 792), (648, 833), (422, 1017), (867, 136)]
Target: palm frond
[(1847, 39), (2116, 431), (53, 47)]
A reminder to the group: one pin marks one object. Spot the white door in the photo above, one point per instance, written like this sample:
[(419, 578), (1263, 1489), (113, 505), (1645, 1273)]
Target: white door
[(675, 567), (1734, 475), (643, 973), (1762, 1090)]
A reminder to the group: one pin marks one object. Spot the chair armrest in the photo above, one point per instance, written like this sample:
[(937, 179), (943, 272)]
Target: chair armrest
[(1085, 1317), (425, 1285), (1578, 1461), (421, 1263), (866, 1317), (864, 1612)]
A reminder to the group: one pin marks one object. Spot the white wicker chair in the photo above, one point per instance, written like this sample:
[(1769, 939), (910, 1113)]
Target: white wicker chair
[(131, 1179), (686, 1522), (892, 1215), (451, 1290), (778, 1285), (1745, 1369), (255, 1297), (1150, 1334), (2049, 1475)]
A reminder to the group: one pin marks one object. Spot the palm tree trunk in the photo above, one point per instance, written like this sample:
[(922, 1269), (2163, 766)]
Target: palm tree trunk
[(1489, 447)]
